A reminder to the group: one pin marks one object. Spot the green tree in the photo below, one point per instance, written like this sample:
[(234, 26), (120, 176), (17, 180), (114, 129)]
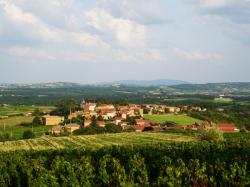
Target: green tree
[(111, 172), (211, 134), (37, 112), (85, 172), (113, 128), (64, 107), (137, 171), (28, 134), (37, 121), (65, 173)]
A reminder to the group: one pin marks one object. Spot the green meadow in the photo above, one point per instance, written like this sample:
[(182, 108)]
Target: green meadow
[(14, 110), (181, 120), (12, 126), (223, 100)]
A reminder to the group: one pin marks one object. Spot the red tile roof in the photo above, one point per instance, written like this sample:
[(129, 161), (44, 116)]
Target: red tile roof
[(230, 127)]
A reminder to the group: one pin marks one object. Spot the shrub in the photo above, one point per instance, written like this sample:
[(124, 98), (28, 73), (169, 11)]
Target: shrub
[(25, 124), (28, 134), (111, 172), (130, 129), (112, 128), (5, 136), (211, 134), (37, 121)]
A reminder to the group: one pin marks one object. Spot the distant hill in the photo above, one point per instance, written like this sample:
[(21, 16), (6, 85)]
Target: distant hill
[(171, 87), (159, 82), (41, 85), (223, 88)]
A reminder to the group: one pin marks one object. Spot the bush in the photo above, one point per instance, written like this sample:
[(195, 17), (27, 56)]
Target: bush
[(130, 129), (112, 128), (25, 124), (37, 121), (5, 136), (212, 134), (90, 130), (111, 172), (28, 134)]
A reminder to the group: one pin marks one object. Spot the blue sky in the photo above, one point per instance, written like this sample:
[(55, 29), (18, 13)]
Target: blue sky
[(105, 40)]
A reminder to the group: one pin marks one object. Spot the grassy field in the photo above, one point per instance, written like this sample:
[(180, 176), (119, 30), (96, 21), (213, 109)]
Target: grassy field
[(11, 110), (13, 121), (92, 141), (223, 100), (11, 125), (178, 119)]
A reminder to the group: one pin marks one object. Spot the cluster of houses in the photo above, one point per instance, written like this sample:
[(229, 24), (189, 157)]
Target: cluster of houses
[(118, 115)]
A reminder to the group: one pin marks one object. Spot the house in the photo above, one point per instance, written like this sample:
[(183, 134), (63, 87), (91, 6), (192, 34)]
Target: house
[(227, 127), (138, 128), (124, 115), (173, 109), (87, 122), (108, 114), (57, 129), (75, 114), (106, 107), (72, 127), (142, 122), (124, 125), (100, 123), (196, 108), (138, 112), (118, 121), (142, 128), (28, 114), (52, 120), (89, 106)]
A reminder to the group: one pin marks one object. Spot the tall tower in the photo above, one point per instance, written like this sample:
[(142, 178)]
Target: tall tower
[(83, 104)]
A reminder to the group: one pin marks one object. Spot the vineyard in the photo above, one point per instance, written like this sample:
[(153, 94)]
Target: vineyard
[(157, 164), (91, 141)]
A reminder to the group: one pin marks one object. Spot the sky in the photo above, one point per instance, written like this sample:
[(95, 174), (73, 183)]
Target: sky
[(88, 41)]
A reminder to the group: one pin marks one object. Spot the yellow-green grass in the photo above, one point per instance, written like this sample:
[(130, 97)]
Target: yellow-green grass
[(11, 110), (93, 141), (15, 120), (11, 126), (181, 120), (223, 100)]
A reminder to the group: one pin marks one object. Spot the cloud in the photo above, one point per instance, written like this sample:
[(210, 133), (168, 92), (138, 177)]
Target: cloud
[(146, 13), (23, 19), (101, 37), (34, 27), (231, 16), (236, 11), (31, 53), (125, 32), (197, 56)]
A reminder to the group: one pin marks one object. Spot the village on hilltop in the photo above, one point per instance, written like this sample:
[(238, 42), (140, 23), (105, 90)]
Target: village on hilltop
[(128, 117)]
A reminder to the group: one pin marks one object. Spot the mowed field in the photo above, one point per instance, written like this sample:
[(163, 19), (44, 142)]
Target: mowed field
[(11, 125), (223, 100), (181, 120), (11, 110), (93, 141)]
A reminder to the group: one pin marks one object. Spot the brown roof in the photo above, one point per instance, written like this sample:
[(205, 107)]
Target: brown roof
[(57, 128), (230, 127), (226, 125), (100, 123)]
